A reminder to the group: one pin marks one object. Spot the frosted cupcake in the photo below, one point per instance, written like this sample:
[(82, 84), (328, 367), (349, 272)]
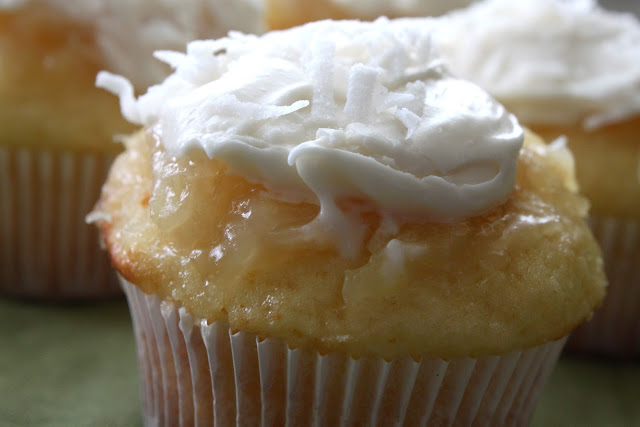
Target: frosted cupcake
[(578, 78), (288, 13), (58, 129), (322, 225)]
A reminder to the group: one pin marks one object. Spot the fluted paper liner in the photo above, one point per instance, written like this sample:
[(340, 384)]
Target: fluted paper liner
[(194, 373), (46, 248), (614, 329)]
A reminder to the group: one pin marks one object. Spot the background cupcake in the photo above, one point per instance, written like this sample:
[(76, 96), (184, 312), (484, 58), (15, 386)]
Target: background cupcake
[(58, 129), (289, 13), (309, 232), (571, 68)]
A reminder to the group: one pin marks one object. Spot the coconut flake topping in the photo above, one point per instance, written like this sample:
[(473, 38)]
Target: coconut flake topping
[(549, 61), (337, 110)]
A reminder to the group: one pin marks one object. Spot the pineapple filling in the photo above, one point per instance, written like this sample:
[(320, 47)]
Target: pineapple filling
[(524, 273), (48, 66)]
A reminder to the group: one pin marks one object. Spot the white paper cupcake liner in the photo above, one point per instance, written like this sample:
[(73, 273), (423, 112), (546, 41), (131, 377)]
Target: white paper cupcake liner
[(614, 329), (46, 248), (193, 373)]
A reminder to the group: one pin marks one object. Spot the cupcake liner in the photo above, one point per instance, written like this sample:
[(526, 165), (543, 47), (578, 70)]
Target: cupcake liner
[(46, 248), (194, 373), (614, 329)]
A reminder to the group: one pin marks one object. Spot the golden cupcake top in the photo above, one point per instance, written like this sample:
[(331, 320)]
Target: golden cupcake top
[(525, 273)]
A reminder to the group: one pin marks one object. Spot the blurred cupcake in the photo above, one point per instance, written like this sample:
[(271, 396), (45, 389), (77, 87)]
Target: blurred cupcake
[(288, 13), (322, 226), (58, 129), (570, 68)]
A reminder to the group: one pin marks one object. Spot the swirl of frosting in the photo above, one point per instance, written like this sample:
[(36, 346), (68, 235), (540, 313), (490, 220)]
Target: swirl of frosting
[(127, 30), (549, 61), (337, 110)]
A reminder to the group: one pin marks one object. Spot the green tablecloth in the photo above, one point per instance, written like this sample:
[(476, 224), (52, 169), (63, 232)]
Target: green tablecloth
[(76, 366)]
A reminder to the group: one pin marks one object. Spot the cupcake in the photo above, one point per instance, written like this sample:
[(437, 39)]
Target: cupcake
[(288, 13), (322, 225), (58, 129), (578, 78)]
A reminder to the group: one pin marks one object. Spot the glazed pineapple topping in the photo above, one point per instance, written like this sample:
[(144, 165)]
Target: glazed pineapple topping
[(330, 112)]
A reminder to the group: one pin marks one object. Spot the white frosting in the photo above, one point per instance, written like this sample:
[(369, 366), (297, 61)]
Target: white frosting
[(337, 110), (369, 9), (130, 30), (549, 61)]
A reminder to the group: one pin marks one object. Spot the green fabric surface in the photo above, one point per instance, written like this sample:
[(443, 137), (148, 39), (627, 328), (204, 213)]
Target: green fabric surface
[(76, 366), (67, 365)]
